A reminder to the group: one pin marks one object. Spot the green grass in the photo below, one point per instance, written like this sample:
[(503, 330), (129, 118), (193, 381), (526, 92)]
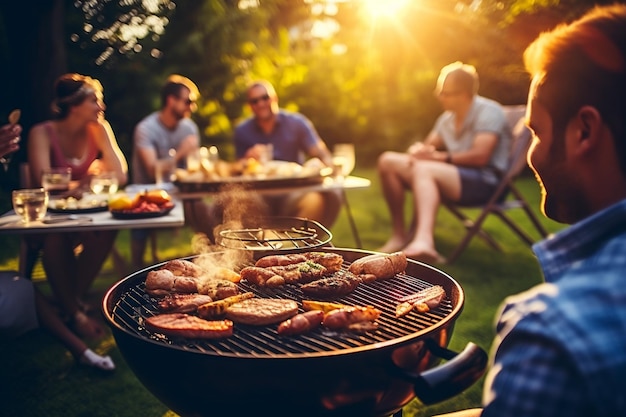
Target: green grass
[(39, 377)]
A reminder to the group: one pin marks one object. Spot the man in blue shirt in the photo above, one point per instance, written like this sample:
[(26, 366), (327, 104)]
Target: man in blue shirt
[(292, 138), (561, 346)]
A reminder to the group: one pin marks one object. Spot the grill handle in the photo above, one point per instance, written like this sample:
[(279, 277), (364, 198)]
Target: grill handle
[(453, 377)]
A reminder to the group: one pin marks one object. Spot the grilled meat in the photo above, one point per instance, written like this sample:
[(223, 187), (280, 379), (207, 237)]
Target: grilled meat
[(274, 276), (422, 301), (379, 266), (182, 303), (343, 318), (335, 286), (217, 289), (301, 323), (184, 268), (185, 325), (331, 261), (261, 311), (163, 282)]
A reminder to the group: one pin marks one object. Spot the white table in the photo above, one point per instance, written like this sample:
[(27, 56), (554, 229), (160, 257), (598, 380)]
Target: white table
[(328, 184), (10, 223)]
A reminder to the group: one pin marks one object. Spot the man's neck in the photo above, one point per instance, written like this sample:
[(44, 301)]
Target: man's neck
[(267, 124), (168, 120)]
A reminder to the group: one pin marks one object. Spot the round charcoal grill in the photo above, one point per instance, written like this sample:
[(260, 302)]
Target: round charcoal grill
[(318, 373)]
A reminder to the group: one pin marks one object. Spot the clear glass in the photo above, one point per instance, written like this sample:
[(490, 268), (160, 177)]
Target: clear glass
[(56, 180), (104, 183), (343, 159), (30, 204)]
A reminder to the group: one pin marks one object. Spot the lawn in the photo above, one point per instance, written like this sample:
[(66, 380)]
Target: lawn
[(39, 377)]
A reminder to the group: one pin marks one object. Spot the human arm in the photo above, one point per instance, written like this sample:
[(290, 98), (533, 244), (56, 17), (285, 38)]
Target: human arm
[(38, 151), (9, 138), (112, 159), (188, 145)]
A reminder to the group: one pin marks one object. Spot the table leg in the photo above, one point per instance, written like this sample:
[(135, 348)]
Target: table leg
[(355, 232)]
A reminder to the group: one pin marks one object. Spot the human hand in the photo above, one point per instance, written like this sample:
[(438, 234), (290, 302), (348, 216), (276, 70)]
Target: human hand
[(258, 152), (9, 138), (420, 150)]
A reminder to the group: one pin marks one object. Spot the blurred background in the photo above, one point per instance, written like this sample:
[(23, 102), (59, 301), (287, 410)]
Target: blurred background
[(363, 71)]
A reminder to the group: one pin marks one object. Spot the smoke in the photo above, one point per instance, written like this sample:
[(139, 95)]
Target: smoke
[(234, 208)]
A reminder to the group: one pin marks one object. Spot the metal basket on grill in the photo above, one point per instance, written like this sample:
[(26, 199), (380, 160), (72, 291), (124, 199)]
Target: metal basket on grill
[(277, 234)]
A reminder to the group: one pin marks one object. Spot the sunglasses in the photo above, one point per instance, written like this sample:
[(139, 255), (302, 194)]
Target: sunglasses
[(255, 100), (187, 101)]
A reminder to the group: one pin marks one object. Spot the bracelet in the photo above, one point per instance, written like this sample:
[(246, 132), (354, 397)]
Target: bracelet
[(448, 158)]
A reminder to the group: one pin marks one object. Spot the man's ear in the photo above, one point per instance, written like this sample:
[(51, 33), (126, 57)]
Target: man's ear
[(589, 126)]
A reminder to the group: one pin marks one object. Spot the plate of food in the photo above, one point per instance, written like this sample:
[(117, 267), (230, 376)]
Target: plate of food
[(135, 214), (71, 205), (253, 175), (144, 205)]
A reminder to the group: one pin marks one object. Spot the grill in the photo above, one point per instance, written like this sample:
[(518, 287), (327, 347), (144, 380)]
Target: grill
[(320, 373), (135, 305), (277, 234)]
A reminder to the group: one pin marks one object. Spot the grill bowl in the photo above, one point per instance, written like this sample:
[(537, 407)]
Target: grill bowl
[(323, 373)]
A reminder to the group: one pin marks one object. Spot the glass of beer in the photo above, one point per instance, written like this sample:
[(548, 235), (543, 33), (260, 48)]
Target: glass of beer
[(30, 204), (56, 180)]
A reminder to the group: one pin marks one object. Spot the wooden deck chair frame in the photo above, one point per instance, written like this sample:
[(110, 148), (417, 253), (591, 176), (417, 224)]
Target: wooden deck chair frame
[(506, 196)]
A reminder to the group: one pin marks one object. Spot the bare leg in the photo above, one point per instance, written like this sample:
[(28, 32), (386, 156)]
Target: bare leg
[(394, 172), (50, 321), (431, 181)]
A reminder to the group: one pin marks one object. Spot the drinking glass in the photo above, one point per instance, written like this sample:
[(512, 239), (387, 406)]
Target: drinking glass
[(56, 180), (105, 183), (31, 204), (343, 159)]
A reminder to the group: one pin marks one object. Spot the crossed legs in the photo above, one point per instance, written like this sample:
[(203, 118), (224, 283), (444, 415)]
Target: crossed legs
[(429, 182)]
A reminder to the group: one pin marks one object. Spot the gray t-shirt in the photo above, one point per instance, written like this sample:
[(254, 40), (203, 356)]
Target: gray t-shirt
[(152, 134), (485, 116)]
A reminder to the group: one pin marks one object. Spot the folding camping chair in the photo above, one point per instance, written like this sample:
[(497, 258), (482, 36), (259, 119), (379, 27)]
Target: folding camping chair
[(506, 196)]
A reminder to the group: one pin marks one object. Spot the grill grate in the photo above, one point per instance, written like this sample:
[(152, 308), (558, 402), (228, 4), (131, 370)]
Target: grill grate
[(277, 233), (133, 305)]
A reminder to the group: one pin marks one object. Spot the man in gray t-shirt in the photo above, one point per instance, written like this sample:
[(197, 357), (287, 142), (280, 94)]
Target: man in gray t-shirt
[(168, 132), (456, 162)]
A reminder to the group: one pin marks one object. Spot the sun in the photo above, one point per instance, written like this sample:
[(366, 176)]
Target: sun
[(383, 8)]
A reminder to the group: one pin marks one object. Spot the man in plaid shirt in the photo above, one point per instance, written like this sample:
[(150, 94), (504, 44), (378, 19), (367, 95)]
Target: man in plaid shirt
[(561, 346)]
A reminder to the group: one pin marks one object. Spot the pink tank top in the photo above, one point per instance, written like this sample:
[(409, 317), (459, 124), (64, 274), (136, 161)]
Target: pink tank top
[(58, 160)]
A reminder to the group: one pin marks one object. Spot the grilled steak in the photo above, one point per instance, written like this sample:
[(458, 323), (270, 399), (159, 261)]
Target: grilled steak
[(184, 325), (332, 287), (182, 303), (261, 311)]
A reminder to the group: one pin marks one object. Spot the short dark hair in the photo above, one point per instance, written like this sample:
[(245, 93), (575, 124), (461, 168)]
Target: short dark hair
[(584, 64), (175, 84)]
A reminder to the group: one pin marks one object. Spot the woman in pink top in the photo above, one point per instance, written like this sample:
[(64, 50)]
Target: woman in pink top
[(78, 137)]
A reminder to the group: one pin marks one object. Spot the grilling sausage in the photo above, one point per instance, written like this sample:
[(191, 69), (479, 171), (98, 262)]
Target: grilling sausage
[(275, 276), (301, 323), (344, 317), (379, 266), (331, 261)]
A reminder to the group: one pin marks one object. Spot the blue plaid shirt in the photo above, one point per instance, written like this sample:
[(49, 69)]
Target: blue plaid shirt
[(561, 346)]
